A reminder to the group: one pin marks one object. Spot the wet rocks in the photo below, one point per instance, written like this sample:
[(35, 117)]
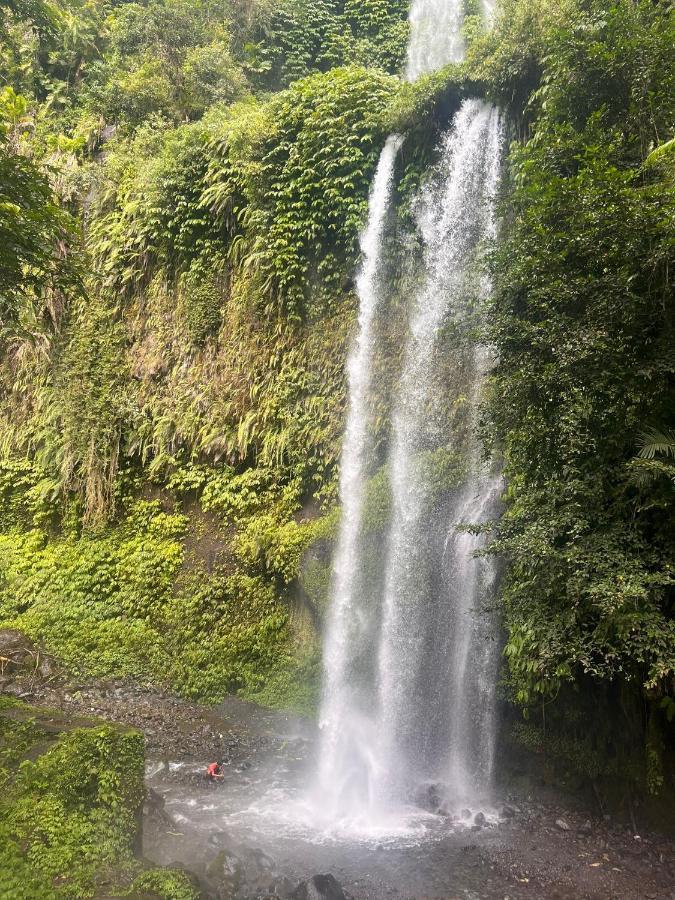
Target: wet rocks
[(320, 887), (429, 797), (173, 728), (561, 825), (226, 870), (23, 665), (219, 839), (282, 887), (480, 820)]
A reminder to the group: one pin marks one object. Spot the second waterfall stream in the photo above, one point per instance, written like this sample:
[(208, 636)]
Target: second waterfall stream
[(411, 647)]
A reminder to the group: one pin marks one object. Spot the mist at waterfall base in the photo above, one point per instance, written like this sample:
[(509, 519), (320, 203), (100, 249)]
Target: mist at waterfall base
[(257, 834)]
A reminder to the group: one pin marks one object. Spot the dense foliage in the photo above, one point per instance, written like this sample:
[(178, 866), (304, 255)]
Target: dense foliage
[(200, 362), (582, 398)]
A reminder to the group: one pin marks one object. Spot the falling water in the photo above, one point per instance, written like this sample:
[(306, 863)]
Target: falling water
[(454, 217), (346, 627), (409, 661), (435, 36)]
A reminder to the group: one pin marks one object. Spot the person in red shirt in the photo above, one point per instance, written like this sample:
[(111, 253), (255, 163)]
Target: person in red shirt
[(215, 772)]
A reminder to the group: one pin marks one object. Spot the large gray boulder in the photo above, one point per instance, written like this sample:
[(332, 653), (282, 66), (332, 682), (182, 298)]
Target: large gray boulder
[(320, 887)]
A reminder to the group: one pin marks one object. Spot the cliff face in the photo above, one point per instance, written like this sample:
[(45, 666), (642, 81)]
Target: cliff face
[(172, 435)]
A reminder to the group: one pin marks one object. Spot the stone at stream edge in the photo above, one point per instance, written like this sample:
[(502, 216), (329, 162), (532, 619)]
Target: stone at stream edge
[(320, 887)]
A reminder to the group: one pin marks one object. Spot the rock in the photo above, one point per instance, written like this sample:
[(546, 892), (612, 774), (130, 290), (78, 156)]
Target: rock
[(282, 887), (226, 871), (479, 819), (46, 667), (586, 828), (466, 813), (107, 133), (219, 839), (508, 812), (13, 640), (429, 797), (320, 887), (562, 825), (16, 689), (154, 802)]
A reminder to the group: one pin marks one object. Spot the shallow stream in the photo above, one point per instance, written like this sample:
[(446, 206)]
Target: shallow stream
[(260, 832)]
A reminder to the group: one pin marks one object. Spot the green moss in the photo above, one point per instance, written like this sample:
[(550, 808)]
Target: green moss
[(314, 580), (166, 884), (123, 603), (69, 809), (293, 684), (202, 299), (67, 815)]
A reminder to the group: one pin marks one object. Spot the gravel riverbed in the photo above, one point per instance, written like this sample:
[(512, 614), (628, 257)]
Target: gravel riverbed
[(240, 840)]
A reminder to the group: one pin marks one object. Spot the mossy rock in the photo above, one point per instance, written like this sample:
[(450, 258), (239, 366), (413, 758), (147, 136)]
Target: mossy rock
[(70, 806)]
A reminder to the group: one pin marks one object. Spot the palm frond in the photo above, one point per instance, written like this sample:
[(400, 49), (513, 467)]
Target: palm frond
[(655, 443)]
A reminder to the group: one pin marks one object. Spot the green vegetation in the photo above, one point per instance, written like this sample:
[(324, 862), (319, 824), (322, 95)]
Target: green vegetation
[(68, 813), (200, 361), (582, 398)]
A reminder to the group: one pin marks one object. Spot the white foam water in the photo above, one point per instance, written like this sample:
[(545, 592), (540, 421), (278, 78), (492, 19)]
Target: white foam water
[(424, 644), (435, 36)]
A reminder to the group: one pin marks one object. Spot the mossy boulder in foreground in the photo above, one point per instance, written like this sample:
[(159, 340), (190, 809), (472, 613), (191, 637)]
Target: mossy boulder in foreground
[(70, 806)]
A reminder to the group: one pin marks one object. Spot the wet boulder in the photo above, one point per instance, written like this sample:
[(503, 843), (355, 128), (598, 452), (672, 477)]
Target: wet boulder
[(320, 887), (226, 871), (429, 797)]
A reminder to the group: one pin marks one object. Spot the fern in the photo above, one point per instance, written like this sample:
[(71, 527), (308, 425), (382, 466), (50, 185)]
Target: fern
[(655, 443)]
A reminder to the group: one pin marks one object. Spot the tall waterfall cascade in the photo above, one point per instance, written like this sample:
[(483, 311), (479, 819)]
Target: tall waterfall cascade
[(411, 650)]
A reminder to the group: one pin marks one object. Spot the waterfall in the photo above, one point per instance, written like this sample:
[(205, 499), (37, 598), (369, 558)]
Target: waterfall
[(346, 627), (410, 653), (454, 217), (435, 36)]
